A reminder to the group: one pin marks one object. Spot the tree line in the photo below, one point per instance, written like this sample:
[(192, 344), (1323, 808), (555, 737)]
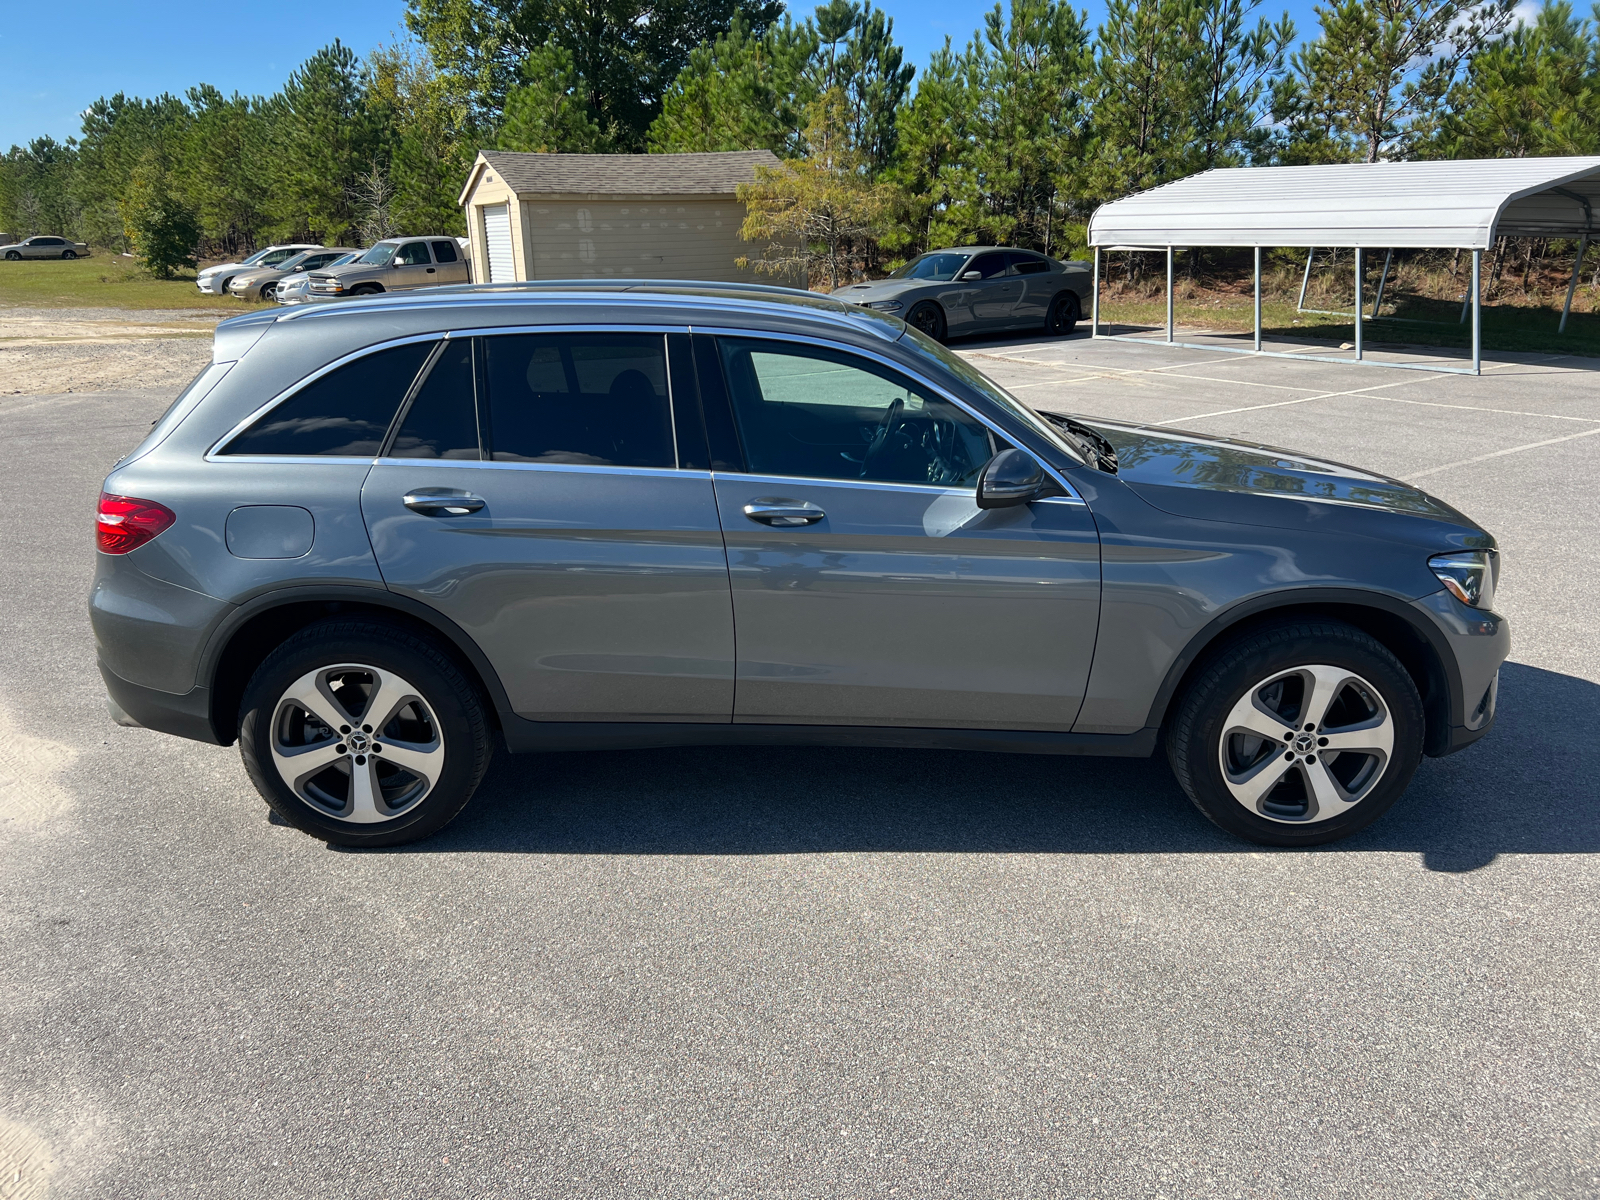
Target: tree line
[(1013, 138)]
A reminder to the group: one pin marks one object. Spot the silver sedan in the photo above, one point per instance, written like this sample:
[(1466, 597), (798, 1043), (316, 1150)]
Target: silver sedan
[(296, 288), (46, 246), (261, 283)]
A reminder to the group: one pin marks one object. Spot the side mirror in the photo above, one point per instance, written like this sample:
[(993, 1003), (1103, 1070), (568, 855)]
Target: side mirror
[(1013, 477), (972, 275)]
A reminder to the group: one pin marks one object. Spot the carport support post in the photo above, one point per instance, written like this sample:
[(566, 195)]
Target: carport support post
[(1577, 270), (1169, 293), (1383, 278), (1477, 312), (1305, 280), (1094, 304), (1258, 299), (1359, 265)]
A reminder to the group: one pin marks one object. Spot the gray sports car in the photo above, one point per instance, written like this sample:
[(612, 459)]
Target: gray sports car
[(980, 289)]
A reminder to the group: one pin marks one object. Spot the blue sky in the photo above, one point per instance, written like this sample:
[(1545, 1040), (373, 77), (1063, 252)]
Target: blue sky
[(170, 45)]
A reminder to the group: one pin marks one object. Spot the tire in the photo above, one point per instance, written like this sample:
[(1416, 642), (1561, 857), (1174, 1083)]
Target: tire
[(1294, 793), (69, 254), (1063, 317), (927, 317), (222, 288), (348, 795), (13, 256), (268, 290), (366, 289)]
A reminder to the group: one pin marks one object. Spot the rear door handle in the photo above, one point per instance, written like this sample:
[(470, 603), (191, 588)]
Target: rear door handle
[(442, 502), (782, 513), (430, 270)]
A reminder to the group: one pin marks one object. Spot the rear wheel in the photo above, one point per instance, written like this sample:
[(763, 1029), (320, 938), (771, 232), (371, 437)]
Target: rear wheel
[(1063, 318), (363, 734), (69, 254), (1298, 734), (928, 317)]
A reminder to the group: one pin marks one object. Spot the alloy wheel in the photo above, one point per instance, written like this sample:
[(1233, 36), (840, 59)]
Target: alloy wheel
[(1306, 745), (357, 743)]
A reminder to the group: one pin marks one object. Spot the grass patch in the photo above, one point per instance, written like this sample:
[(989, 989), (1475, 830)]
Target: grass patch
[(1515, 327), (104, 281)]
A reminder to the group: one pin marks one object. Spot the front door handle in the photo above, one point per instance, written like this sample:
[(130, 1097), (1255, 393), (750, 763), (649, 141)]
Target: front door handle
[(442, 502), (782, 513), (430, 270)]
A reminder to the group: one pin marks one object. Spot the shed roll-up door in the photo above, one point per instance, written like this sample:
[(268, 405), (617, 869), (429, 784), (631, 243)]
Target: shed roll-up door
[(497, 240)]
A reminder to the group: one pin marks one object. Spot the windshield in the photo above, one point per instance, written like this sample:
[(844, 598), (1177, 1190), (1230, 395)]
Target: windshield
[(342, 259), (289, 264), (978, 381), (255, 258), (379, 254), (940, 266), (273, 257)]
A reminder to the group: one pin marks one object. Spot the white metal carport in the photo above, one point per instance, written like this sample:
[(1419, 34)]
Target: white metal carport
[(1459, 204)]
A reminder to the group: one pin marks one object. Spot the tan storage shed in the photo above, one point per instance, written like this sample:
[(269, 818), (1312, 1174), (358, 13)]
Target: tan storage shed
[(609, 216)]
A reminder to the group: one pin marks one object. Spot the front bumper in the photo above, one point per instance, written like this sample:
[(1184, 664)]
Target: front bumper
[(1478, 643)]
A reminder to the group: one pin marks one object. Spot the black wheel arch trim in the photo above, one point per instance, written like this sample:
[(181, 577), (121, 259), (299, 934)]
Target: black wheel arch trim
[(222, 637), (1440, 725)]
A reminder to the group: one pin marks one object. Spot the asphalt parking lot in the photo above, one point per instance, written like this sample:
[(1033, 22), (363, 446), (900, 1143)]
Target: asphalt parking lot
[(826, 973)]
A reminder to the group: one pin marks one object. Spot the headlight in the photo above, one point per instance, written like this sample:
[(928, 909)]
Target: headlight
[(1469, 575), (888, 306)]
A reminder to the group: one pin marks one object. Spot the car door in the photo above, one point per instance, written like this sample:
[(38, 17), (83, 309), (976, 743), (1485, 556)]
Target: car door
[(452, 265), (1039, 286), (868, 587), (411, 267), (41, 247), (534, 494), (995, 294)]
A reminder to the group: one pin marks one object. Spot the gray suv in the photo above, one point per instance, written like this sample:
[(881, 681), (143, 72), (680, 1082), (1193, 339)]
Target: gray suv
[(371, 541)]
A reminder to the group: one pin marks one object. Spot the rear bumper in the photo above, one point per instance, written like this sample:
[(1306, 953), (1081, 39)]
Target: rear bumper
[(187, 715)]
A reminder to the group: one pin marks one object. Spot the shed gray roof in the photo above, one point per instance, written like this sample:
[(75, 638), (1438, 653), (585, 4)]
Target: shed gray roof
[(1462, 202), (626, 174)]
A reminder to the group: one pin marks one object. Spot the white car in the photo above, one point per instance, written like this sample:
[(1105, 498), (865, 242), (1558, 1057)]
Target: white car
[(213, 281), (295, 289)]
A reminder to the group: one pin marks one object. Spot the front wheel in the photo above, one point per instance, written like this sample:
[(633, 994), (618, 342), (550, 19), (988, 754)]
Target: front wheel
[(928, 318), (1298, 734), (13, 256), (363, 734), (268, 290), (1063, 318), (366, 289)]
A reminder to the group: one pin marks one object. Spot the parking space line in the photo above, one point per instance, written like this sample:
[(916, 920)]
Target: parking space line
[(1504, 412), (1377, 387), (1467, 462)]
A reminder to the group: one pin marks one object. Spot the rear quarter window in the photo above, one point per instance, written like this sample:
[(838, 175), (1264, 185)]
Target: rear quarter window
[(344, 414)]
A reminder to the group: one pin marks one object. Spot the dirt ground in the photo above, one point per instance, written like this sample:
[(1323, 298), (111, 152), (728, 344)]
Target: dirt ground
[(45, 351)]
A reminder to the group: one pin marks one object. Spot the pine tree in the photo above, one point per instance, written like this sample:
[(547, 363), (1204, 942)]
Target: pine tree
[(741, 92), (325, 136), (1142, 126), (1534, 91), (552, 110), (1373, 84)]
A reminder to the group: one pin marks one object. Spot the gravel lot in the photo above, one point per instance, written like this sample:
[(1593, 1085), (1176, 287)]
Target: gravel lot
[(822, 973), (47, 351)]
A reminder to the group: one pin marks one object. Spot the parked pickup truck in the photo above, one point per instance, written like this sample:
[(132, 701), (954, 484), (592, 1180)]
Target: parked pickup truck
[(394, 265)]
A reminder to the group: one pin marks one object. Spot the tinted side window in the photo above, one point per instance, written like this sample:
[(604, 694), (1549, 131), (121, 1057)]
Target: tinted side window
[(591, 398), (445, 252), (806, 411), (412, 254), (1027, 264), (443, 419), (346, 412), (987, 265)]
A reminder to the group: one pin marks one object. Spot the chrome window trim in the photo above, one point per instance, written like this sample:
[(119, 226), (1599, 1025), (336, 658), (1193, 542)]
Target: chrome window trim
[(215, 453), (900, 369), (872, 485), (564, 468)]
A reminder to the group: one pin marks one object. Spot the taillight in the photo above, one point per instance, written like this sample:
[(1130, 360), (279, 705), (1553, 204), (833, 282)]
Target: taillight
[(125, 523)]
